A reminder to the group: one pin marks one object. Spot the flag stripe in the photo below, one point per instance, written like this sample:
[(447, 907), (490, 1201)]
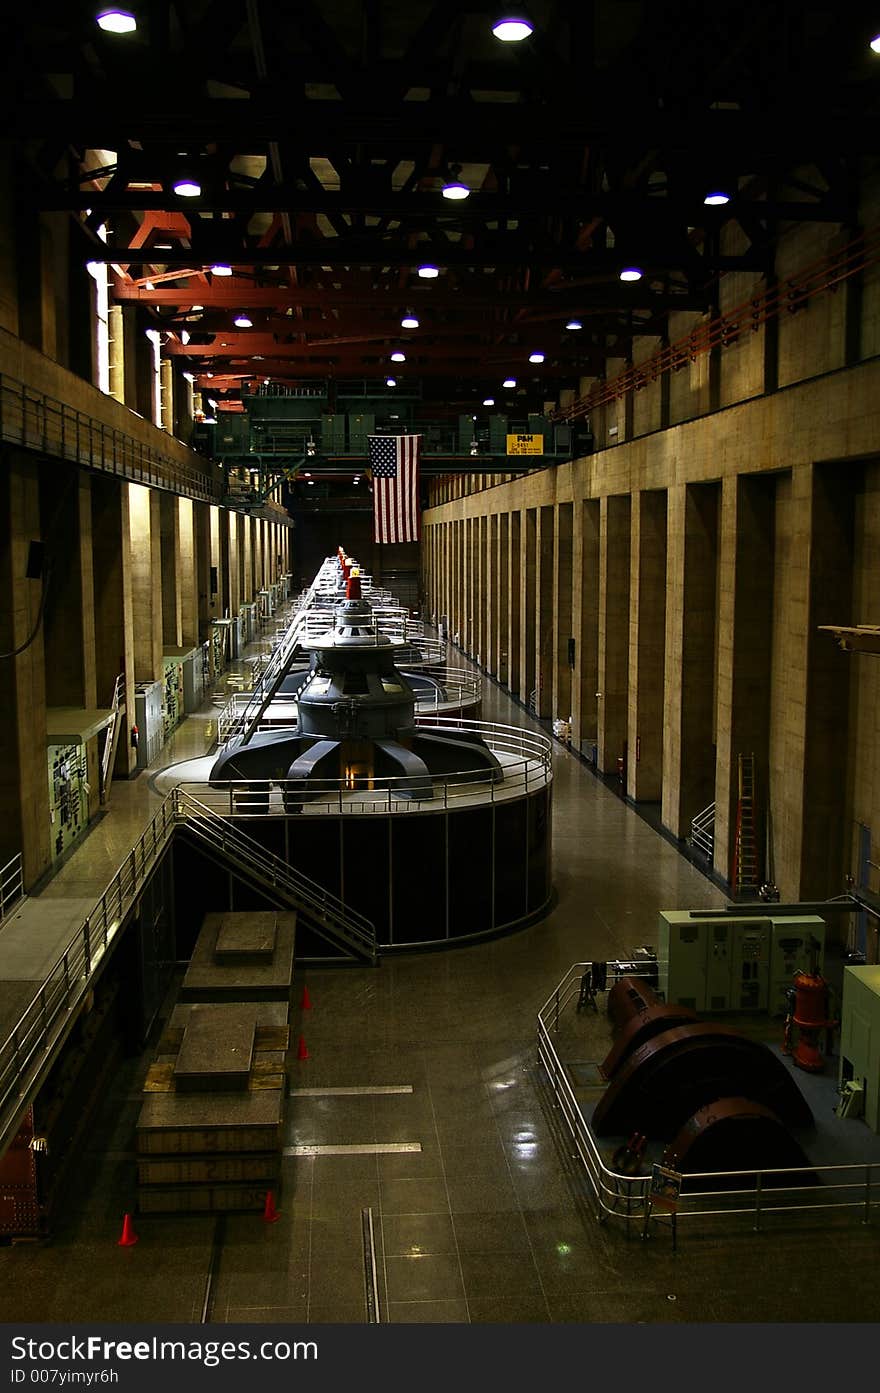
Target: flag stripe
[(394, 466)]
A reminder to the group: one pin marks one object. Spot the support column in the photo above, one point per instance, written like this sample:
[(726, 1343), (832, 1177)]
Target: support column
[(24, 786), (189, 588), (502, 621), (170, 570), (647, 633), (585, 622), (544, 625), (114, 624), (145, 564), (527, 668), (69, 616), (614, 576), (514, 593), (562, 598)]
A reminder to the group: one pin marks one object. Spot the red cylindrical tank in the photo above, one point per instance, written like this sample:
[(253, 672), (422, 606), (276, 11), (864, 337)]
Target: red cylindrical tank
[(810, 1000)]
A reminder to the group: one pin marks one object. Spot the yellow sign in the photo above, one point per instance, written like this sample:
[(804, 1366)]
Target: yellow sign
[(525, 444)]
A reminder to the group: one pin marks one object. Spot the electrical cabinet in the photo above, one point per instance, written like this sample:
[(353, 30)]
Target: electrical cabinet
[(172, 694), (193, 680), (247, 616), (860, 1038), (148, 719), (68, 795), (732, 963)]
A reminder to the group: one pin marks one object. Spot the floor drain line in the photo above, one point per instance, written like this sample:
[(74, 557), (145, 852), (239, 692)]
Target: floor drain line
[(371, 1285), (213, 1267)]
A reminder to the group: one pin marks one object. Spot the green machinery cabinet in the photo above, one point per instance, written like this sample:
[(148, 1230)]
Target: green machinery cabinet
[(860, 1038), (732, 963)]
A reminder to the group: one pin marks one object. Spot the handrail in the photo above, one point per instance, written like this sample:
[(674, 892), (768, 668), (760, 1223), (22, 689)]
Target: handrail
[(847, 1188), (703, 829), (329, 912), (11, 885), (37, 421)]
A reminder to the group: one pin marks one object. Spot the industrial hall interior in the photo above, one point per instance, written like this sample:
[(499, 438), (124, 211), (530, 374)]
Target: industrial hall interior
[(440, 662)]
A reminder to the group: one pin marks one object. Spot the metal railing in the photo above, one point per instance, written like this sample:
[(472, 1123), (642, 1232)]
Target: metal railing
[(703, 830), (832, 1190), (526, 758), (11, 885), (40, 422)]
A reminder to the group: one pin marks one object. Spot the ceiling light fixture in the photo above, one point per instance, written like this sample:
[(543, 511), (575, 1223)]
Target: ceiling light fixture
[(409, 321), (194, 309), (221, 268), (574, 324), (429, 273), (454, 189), (116, 21), (512, 27), (186, 187), (717, 199), (242, 321), (398, 357), (509, 382), (488, 401), (536, 357), (631, 273), (390, 381), (875, 44), (190, 376)]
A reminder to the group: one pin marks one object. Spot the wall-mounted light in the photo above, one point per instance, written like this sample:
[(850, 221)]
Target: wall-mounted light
[(429, 273), (512, 26), (115, 21)]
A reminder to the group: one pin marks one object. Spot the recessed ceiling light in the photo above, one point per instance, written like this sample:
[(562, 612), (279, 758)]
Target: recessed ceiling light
[(488, 401), (509, 382), (185, 187), (716, 199), (631, 273), (536, 357), (390, 381), (574, 324), (409, 321), (242, 321), (512, 27), (220, 268), (429, 273), (115, 21), (398, 357)]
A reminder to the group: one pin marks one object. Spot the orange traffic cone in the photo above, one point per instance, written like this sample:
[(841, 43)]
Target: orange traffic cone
[(306, 1001), (270, 1214), (302, 1052), (129, 1237)]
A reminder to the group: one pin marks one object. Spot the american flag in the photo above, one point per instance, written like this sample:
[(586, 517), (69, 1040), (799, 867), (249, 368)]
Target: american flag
[(394, 465)]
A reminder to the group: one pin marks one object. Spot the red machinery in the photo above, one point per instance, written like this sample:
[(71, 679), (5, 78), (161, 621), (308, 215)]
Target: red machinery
[(809, 1012)]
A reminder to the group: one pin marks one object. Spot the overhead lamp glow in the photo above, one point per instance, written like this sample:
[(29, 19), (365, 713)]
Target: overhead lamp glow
[(512, 27), (194, 309), (220, 268), (631, 273), (574, 324), (185, 187), (398, 357), (509, 382), (429, 273), (536, 357), (454, 189), (409, 321), (390, 381), (716, 199), (488, 401), (190, 376), (116, 21), (241, 321), (875, 44)]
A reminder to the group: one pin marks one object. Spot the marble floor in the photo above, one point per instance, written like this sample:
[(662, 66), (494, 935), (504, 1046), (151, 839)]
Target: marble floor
[(479, 1212)]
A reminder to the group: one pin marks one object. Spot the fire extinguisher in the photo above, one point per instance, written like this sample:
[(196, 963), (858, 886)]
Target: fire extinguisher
[(135, 735)]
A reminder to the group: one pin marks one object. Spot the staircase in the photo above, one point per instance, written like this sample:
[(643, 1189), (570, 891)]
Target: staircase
[(111, 736), (746, 871), (703, 831), (346, 930)]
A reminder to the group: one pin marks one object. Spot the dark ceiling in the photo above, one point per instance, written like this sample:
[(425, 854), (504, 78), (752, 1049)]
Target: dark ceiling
[(321, 134)]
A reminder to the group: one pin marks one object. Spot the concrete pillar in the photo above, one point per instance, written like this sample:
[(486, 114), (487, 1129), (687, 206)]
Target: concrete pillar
[(527, 604), (647, 639), (145, 553), (114, 626), (544, 625), (614, 581), (68, 619), (169, 514), (514, 603), (206, 605), (189, 590), (562, 607), (585, 622), (502, 580), (24, 787), (691, 628)]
